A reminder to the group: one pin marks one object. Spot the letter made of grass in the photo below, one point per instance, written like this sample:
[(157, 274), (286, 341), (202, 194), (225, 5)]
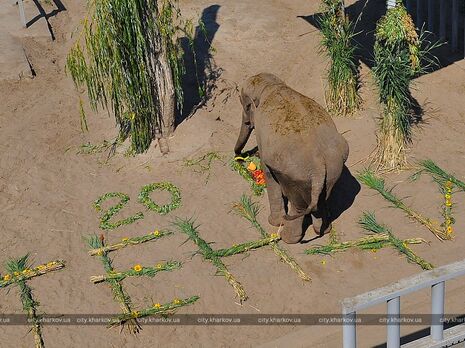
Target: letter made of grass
[(368, 178), (250, 210), (19, 271), (129, 59), (105, 223), (187, 227), (144, 197), (446, 183), (372, 242), (368, 222), (400, 54), (129, 317), (343, 83)]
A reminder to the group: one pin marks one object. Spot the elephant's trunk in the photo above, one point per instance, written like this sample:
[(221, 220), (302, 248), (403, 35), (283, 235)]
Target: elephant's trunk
[(242, 139)]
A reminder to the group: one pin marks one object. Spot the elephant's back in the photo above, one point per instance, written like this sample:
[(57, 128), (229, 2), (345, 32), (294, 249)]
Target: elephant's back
[(289, 112)]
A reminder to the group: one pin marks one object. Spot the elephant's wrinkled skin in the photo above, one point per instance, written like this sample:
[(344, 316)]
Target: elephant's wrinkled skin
[(301, 152)]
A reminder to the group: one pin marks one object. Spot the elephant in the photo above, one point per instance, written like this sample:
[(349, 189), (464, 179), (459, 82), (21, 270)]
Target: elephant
[(301, 151)]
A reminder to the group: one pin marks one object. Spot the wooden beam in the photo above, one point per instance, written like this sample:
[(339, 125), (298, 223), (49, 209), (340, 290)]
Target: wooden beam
[(431, 15), (443, 5), (455, 25)]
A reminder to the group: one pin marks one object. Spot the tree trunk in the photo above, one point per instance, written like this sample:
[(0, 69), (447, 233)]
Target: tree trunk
[(166, 95)]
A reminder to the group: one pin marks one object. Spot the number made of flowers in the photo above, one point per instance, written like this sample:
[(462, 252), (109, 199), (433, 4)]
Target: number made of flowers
[(144, 197), (105, 223)]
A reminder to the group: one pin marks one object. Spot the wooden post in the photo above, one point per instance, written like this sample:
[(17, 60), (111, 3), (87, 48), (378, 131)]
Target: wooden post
[(22, 16), (409, 6), (442, 19), (431, 15), (455, 25), (420, 13)]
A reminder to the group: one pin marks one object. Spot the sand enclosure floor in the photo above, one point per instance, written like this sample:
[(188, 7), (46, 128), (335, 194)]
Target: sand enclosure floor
[(47, 190)]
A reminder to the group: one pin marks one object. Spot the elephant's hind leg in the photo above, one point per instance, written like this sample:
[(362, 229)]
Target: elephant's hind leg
[(275, 197), (321, 218)]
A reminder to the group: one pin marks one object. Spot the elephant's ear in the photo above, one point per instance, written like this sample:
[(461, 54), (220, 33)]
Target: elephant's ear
[(249, 110)]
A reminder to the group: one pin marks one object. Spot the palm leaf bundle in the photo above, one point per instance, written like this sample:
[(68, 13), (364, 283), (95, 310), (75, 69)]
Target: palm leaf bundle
[(156, 308), (129, 242), (371, 242), (20, 270), (137, 271), (119, 295), (249, 210), (368, 178), (342, 93), (187, 227), (368, 222)]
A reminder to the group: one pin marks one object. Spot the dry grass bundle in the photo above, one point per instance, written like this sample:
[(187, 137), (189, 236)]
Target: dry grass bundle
[(245, 247), (342, 93), (368, 178), (249, 210), (187, 227)]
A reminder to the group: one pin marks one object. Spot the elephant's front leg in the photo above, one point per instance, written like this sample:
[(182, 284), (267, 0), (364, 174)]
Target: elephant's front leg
[(275, 197)]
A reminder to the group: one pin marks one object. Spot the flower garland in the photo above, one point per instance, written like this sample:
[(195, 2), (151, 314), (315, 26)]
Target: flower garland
[(250, 169)]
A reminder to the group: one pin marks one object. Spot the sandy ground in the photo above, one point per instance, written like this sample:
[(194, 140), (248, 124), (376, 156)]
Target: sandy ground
[(47, 190)]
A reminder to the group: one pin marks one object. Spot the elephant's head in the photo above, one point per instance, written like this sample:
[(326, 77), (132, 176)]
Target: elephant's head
[(250, 96)]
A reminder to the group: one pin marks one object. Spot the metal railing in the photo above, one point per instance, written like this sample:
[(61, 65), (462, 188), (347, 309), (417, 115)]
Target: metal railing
[(391, 294)]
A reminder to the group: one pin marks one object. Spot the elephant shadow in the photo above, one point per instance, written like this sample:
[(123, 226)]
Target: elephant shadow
[(342, 197)]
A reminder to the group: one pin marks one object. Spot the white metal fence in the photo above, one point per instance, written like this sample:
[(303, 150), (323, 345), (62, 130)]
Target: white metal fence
[(391, 294)]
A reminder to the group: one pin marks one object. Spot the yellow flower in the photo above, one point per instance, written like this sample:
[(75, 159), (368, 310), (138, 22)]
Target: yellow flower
[(41, 267), (6, 277), (26, 271), (132, 116), (449, 229), (234, 245), (137, 268), (159, 266), (177, 301), (323, 262), (156, 233), (374, 250), (274, 235), (156, 305), (125, 239), (50, 264), (448, 203), (135, 314), (16, 274), (448, 222), (449, 190), (447, 196), (449, 184)]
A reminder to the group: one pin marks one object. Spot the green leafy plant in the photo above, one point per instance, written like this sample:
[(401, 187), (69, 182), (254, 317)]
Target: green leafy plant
[(342, 93), (400, 54), (129, 59)]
